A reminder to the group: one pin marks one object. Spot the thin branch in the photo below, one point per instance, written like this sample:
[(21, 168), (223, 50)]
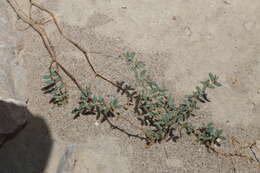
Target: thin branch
[(47, 43), (50, 48), (73, 43), (124, 131), (135, 126)]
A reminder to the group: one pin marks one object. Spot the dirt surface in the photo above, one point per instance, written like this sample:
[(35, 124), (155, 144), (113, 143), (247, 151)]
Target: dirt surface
[(180, 41)]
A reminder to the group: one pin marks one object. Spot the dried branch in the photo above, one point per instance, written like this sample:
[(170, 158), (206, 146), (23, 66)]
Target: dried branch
[(49, 46)]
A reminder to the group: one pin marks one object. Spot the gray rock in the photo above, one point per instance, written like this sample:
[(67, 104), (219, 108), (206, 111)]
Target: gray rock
[(7, 51), (257, 150), (64, 165), (99, 156), (12, 120), (31, 149), (12, 112), (7, 31)]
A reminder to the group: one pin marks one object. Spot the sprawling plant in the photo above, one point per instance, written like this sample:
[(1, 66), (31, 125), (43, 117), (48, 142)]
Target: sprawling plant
[(159, 111), (160, 117)]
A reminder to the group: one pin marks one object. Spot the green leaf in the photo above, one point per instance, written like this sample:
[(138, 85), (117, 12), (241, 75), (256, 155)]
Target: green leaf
[(212, 77), (58, 89), (58, 79), (219, 132), (94, 99), (140, 65), (49, 82), (199, 90), (87, 92), (54, 91), (151, 114), (118, 106), (170, 100), (46, 76), (89, 106), (130, 54), (143, 73), (211, 86), (210, 125), (114, 102), (153, 133), (185, 125), (58, 97), (158, 125), (75, 111), (211, 131), (205, 83), (53, 74), (222, 137), (150, 83), (101, 100), (217, 84), (207, 138)]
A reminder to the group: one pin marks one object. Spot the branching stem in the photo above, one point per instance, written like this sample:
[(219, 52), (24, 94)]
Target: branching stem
[(50, 48)]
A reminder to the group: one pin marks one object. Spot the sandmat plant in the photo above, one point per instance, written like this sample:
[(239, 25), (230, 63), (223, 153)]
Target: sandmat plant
[(159, 115), (157, 112)]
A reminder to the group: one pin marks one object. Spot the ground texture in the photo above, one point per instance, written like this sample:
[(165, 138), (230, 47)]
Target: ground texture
[(180, 41)]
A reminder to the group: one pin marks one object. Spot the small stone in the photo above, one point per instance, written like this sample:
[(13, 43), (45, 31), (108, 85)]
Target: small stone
[(187, 31), (257, 150), (258, 144), (96, 156), (249, 25), (227, 2), (174, 162), (96, 123)]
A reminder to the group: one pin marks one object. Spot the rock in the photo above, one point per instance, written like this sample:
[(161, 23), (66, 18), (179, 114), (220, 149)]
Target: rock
[(175, 163), (13, 80), (65, 164), (257, 151), (57, 149), (100, 155), (227, 2), (249, 25), (7, 31), (13, 113), (187, 31), (31, 149), (12, 120), (7, 49)]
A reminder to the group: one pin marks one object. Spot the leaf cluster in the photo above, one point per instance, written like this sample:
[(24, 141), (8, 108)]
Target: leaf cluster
[(209, 135), (91, 104), (158, 109), (54, 86)]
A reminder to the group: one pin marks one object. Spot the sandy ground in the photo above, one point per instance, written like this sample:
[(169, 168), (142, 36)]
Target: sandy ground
[(180, 41)]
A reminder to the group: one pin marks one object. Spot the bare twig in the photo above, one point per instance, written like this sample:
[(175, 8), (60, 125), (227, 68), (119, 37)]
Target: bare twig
[(74, 43), (38, 27), (50, 48)]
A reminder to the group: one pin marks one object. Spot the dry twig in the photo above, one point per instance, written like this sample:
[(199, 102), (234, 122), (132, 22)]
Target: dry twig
[(38, 27)]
